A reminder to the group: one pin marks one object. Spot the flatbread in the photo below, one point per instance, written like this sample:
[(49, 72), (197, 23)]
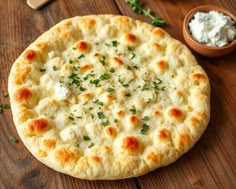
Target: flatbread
[(108, 97)]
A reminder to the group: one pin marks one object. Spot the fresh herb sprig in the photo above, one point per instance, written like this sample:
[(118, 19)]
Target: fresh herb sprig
[(137, 7)]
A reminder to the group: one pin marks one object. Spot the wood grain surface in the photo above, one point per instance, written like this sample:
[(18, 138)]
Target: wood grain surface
[(211, 163)]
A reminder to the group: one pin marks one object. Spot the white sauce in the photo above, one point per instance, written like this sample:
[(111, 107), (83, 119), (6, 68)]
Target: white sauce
[(61, 91), (212, 29)]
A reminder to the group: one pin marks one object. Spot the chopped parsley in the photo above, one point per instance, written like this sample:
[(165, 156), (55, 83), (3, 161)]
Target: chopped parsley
[(13, 139), (145, 118), (102, 60), (156, 85), (98, 102), (75, 79), (100, 115), (5, 94), (110, 90), (6, 106), (86, 138), (144, 129), (54, 68), (95, 82), (42, 70), (114, 43), (81, 56), (132, 56), (82, 88), (128, 95), (112, 70), (133, 110), (105, 123), (71, 118), (145, 87), (105, 76), (91, 145)]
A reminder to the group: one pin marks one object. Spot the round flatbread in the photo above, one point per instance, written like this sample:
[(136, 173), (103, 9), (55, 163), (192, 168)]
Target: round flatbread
[(108, 97)]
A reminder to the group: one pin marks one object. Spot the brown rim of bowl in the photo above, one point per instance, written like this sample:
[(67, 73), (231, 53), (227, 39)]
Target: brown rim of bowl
[(207, 8)]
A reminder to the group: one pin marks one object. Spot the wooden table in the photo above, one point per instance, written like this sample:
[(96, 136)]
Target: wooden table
[(212, 161)]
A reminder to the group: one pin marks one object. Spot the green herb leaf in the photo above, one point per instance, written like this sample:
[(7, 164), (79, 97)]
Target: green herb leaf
[(86, 138), (91, 145), (137, 7), (5, 94), (112, 70), (132, 56), (42, 70), (114, 43), (144, 129), (82, 89), (6, 106), (71, 118), (105, 76), (110, 90), (145, 87), (54, 68), (98, 102), (81, 56), (95, 82), (145, 118), (100, 115), (102, 60), (105, 123), (13, 139), (133, 110)]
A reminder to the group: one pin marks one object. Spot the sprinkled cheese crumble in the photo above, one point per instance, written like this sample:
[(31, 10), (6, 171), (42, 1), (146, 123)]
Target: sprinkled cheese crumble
[(61, 91)]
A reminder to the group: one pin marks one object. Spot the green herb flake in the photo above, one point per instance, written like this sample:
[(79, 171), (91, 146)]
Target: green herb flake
[(42, 70), (13, 139), (86, 138), (128, 95), (145, 118), (149, 100), (105, 76), (102, 60), (132, 56), (82, 89), (128, 68), (54, 68), (98, 102), (95, 82), (144, 129), (156, 85), (110, 90), (6, 106), (91, 145), (105, 123), (114, 43), (81, 56), (145, 87), (71, 118), (112, 70), (100, 115), (70, 61), (129, 48), (5, 94), (133, 110)]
